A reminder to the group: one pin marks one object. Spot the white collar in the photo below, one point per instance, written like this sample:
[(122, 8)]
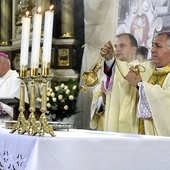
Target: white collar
[(159, 69)]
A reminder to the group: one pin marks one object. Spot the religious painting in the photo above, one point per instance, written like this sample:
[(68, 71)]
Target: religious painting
[(63, 57), (144, 18)]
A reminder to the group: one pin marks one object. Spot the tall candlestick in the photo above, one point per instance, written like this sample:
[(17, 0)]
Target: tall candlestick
[(48, 28), (36, 40), (25, 40)]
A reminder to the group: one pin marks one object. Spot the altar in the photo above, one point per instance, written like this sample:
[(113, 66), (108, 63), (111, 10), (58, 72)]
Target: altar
[(83, 149)]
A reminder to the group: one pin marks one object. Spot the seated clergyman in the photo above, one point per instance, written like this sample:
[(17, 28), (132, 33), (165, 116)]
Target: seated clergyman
[(9, 86)]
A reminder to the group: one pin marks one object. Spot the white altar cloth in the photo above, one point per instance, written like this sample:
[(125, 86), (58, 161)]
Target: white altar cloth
[(88, 150)]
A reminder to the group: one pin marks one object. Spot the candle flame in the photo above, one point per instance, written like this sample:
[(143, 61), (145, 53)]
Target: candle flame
[(39, 10), (27, 13), (51, 7)]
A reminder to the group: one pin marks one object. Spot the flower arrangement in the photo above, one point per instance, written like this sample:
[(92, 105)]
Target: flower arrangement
[(61, 100)]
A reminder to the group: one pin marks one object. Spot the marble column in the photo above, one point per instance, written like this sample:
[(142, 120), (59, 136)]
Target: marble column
[(67, 18), (5, 22)]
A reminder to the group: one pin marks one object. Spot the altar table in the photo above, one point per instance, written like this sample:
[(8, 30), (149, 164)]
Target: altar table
[(83, 150)]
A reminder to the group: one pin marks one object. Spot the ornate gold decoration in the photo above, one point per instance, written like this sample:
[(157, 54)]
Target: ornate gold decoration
[(141, 126), (137, 69), (34, 72), (63, 57), (21, 124), (5, 43), (90, 77), (45, 71), (67, 35), (31, 126), (44, 127), (23, 71), (25, 5)]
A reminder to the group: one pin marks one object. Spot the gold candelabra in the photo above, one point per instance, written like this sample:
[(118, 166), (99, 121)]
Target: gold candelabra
[(31, 126)]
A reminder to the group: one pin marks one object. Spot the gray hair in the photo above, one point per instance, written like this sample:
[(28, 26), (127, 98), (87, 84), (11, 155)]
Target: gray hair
[(167, 36)]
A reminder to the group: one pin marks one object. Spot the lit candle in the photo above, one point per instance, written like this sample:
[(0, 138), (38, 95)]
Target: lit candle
[(25, 40), (48, 28), (35, 53)]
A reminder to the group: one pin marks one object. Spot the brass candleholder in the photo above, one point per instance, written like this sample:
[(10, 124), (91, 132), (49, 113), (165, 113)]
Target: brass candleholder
[(32, 125), (44, 127), (21, 124)]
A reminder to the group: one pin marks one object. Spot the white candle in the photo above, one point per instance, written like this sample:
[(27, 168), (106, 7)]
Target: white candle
[(48, 28), (25, 40), (35, 53)]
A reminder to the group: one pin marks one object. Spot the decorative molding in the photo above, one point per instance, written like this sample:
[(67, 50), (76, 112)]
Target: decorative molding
[(143, 19)]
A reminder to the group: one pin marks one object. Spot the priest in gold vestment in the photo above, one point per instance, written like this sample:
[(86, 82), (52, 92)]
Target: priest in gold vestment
[(125, 50), (141, 92)]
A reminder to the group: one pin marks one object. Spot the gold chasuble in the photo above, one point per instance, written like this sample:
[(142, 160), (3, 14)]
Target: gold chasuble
[(157, 77), (158, 97), (120, 113)]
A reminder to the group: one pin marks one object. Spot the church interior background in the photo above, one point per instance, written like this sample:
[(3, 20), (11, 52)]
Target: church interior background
[(88, 23)]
